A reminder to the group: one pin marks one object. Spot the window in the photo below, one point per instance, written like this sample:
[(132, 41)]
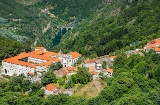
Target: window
[(5, 71)]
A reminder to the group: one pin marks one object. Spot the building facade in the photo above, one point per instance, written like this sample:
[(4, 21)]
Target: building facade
[(38, 61)]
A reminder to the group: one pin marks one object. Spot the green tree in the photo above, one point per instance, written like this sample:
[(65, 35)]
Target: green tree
[(83, 76), (56, 66), (48, 77), (104, 64)]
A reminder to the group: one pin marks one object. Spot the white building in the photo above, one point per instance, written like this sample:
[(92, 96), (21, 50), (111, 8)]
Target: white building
[(108, 72), (36, 61), (89, 63), (69, 59)]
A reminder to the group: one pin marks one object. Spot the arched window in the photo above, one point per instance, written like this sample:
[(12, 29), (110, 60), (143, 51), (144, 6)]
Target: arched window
[(5, 71)]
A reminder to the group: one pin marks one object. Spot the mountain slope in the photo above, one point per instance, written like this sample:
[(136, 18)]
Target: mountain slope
[(114, 28), (28, 19), (19, 20)]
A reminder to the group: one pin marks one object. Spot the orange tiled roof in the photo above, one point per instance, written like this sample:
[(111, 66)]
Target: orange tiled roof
[(31, 73), (15, 60), (75, 55), (94, 72), (157, 49), (38, 52), (50, 54), (71, 68), (90, 61), (109, 70), (50, 87), (154, 43), (113, 57), (56, 60), (91, 68)]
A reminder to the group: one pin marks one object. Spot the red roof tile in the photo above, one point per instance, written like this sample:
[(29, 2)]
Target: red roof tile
[(91, 68), (50, 87), (153, 44), (90, 61), (94, 72), (31, 73), (109, 70), (71, 68), (113, 57), (75, 55), (157, 49)]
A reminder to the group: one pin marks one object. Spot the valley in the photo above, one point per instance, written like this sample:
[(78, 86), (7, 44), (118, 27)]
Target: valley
[(79, 52)]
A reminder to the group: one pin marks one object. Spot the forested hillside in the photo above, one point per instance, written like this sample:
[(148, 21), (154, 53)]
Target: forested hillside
[(26, 22), (75, 10), (10, 48), (23, 20), (115, 27), (136, 81)]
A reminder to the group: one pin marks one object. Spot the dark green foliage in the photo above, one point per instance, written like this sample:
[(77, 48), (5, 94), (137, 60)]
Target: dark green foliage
[(70, 9), (104, 64), (82, 76), (48, 77), (132, 83), (56, 100), (18, 84), (35, 86), (10, 48), (103, 33), (56, 66), (98, 101), (69, 84)]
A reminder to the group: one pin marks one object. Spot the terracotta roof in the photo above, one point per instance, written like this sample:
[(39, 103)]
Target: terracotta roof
[(109, 70), (153, 43), (94, 72), (31, 73), (56, 60), (113, 57), (75, 55), (61, 72), (91, 68), (49, 54), (15, 60), (38, 52), (90, 61), (71, 68), (50, 87), (157, 49)]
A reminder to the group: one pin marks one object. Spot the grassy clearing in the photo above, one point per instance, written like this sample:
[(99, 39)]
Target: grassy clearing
[(88, 91)]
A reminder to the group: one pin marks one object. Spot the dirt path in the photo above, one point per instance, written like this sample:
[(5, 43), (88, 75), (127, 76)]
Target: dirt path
[(98, 85), (46, 28)]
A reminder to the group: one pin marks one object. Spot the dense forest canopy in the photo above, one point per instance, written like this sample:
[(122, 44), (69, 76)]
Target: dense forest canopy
[(42, 18), (114, 28), (78, 9), (10, 48)]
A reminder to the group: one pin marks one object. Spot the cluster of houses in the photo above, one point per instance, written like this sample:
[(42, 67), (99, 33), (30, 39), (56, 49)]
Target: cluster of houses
[(51, 89), (95, 66), (37, 61), (40, 60), (153, 44)]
